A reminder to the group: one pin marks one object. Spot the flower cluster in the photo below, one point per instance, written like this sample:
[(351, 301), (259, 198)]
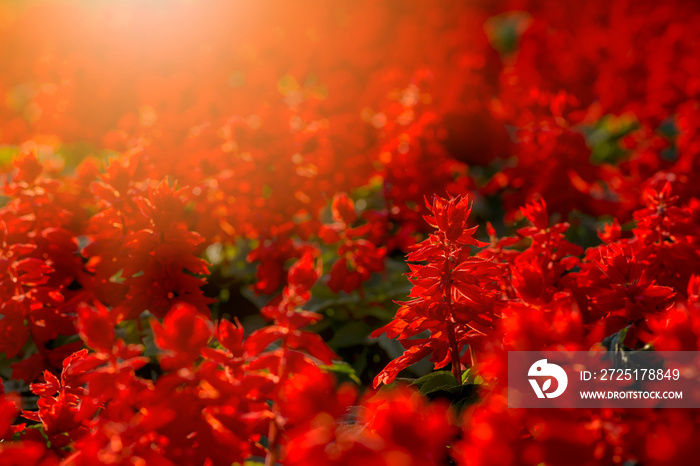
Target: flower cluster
[(453, 293), (208, 211)]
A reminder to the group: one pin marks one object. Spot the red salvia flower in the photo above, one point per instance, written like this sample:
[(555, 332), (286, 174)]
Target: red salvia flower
[(453, 293), (358, 257), (183, 333)]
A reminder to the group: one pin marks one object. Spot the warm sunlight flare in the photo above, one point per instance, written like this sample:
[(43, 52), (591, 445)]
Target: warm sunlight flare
[(349, 232)]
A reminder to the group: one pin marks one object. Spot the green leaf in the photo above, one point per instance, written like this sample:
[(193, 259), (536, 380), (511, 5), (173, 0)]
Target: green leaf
[(471, 377), (435, 381), (504, 30), (343, 368), (624, 357), (459, 396), (7, 154), (351, 334)]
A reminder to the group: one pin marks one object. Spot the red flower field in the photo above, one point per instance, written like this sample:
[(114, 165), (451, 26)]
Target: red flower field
[(308, 233)]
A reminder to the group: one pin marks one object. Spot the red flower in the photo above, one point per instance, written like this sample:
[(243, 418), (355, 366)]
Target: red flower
[(358, 257), (453, 293), (632, 292), (96, 328), (183, 333)]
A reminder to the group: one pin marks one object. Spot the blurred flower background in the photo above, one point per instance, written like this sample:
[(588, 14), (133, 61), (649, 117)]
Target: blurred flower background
[(207, 207)]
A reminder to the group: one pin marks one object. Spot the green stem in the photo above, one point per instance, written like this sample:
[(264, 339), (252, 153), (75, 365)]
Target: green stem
[(274, 433), (454, 353)]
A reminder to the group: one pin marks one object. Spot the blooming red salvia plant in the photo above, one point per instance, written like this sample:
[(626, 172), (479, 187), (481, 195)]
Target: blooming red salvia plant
[(358, 257), (205, 210), (453, 293)]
